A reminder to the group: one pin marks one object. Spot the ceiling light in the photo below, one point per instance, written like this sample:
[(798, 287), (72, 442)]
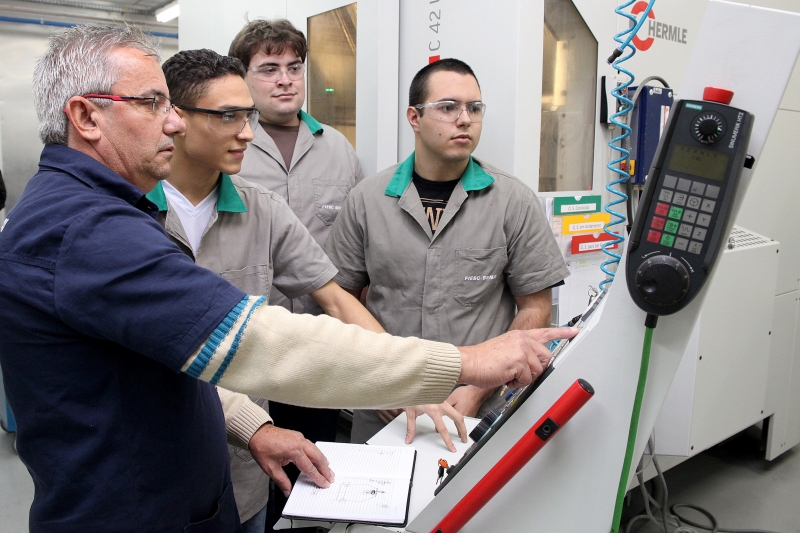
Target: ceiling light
[(168, 12)]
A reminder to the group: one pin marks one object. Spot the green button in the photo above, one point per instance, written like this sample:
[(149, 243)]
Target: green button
[(667, 240), (675, 212), (671, 227)]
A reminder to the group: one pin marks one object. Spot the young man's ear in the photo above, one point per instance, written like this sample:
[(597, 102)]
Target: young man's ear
[(82, 114), (413, 116)]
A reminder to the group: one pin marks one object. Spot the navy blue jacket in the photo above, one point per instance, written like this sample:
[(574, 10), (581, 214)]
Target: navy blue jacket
[(98, 313)]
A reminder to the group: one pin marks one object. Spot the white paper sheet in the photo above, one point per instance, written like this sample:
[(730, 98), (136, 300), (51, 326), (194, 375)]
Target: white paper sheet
[(372, 485)]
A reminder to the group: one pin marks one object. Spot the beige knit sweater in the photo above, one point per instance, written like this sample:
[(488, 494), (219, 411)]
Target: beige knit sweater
[(317, 361)]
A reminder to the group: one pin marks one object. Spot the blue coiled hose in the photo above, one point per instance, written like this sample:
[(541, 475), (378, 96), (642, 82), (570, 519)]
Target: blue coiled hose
[(620, 92)]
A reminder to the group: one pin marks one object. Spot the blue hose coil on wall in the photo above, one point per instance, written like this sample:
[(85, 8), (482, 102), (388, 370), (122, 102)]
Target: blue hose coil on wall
[(624, 52)]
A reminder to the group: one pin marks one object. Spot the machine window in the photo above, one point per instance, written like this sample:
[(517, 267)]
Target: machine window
[(569, 81), (332, 69)]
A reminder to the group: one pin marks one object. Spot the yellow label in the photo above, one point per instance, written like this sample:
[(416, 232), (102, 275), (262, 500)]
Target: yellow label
[(575, 224)]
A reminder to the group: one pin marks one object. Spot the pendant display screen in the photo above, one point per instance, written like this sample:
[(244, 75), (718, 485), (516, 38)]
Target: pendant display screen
[(698, 162)]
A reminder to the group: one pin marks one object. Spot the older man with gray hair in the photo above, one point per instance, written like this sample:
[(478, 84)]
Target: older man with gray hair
[(111, 339)]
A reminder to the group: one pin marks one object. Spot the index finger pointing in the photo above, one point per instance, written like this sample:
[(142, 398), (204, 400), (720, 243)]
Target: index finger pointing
[(551, 334)]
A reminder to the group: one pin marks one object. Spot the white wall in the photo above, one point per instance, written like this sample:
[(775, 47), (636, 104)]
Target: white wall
[(213, 24)]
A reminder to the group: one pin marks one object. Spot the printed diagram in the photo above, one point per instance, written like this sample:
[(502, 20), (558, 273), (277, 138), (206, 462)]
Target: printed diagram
[(353, 491)]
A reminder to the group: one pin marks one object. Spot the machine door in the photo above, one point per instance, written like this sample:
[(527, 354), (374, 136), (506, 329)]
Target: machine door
[(351, 74)]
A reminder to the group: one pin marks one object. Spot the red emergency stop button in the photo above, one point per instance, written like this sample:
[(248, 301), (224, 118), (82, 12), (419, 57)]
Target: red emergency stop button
[(717, 94)]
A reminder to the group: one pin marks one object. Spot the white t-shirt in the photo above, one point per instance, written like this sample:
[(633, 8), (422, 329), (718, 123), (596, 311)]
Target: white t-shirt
[(194, 218)]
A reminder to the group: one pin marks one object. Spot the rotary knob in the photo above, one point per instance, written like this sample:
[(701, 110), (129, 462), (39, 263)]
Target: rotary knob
[(662, 280), (709, 128), (484, 425)]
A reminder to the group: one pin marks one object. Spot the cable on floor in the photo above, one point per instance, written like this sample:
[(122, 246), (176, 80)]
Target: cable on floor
[(663, 522)]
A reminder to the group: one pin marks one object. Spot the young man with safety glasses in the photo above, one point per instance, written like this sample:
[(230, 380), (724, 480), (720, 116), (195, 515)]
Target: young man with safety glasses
[(250, 237), (311, 165), (452, 248)]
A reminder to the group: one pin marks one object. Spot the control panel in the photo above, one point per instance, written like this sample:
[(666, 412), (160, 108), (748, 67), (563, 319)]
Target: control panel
[(678, 231), (494, 419)]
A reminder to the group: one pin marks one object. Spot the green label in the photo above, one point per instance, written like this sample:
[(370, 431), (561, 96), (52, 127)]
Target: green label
[(569, 205), (694, 106)]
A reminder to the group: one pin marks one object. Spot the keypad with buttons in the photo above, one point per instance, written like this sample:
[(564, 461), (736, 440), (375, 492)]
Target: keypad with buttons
[(683, 214), (698, 188)]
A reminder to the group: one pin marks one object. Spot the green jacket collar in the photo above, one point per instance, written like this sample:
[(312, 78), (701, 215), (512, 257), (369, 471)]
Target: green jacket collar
[(310, 121), (228, 201), (474, 177)]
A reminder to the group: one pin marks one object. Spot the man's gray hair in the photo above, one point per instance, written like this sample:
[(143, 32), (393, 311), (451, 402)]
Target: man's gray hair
[(77, 62)]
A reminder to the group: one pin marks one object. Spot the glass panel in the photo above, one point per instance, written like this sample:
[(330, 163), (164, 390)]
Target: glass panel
[(569, 81), (332, 69)]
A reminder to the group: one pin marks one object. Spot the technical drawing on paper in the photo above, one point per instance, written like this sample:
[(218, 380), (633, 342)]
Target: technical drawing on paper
[(372, 484), (351, 491)]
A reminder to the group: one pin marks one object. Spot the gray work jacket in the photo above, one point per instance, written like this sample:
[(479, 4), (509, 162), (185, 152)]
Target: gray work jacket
[(458, 285), (492, 243), (254, 241), (324, 168)]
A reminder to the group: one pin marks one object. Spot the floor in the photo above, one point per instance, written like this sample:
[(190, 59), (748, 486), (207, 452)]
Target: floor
[(731, 480), (738, 486)]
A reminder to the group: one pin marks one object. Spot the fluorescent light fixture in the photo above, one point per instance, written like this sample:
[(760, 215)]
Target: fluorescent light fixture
[(168, 12)]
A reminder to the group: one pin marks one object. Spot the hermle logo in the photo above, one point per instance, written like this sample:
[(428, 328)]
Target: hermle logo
[(655, 30)]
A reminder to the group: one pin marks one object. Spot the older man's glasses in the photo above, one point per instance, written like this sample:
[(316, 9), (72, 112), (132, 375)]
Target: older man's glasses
[(159, 104), (449, 110), (273, 73), (227, 121)]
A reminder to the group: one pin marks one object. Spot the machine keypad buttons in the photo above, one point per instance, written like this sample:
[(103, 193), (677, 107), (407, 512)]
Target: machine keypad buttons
[(708, 206), (675, 212), (689, 216), (681, 244), (665, 195), (698, 188), (680, 220)]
